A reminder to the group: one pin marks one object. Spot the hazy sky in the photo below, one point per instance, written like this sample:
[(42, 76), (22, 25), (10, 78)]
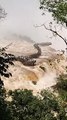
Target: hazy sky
[(22, 15)]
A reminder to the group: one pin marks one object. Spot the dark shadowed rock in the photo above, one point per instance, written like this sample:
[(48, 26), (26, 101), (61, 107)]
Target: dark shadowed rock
[(45, 43)]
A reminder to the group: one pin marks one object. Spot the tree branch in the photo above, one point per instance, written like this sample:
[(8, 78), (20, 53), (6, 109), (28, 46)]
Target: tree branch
[(54, 31)]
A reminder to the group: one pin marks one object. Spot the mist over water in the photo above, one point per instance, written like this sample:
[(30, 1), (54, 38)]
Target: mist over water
[(48, 80), (22, 16), (44, 73), (18, 28)]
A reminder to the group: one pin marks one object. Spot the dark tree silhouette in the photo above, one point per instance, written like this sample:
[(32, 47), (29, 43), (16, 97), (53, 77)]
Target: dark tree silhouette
[(4, 58)]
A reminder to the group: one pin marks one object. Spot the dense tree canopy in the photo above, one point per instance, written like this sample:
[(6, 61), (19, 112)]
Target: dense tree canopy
[(58, 8), (25, 106), (4, 109), (61, 87)]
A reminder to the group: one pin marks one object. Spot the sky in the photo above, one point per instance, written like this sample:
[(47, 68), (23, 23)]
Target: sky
[(22, 16)]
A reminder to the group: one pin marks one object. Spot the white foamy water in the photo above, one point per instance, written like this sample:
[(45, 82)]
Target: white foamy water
[(22, 76), (48, 80), (43, 83)]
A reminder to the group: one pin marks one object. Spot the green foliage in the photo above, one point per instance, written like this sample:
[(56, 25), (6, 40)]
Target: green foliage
[(25, 106), (62, 87), (4, 109), (58, 8)]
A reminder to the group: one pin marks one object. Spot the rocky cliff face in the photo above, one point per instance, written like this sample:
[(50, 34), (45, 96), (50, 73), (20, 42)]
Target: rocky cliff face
[(49, 64)]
